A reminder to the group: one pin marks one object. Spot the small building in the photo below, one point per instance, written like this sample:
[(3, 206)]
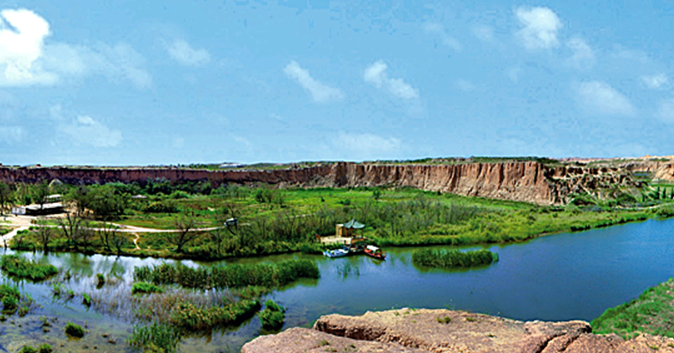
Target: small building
[(348, 230), (37, 210)]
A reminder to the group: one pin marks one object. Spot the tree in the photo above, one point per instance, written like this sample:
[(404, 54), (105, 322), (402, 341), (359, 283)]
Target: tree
[(39, 193), (105, 234), (118, 240), (218, 237), (84, 235), (5, 194), (44, 233), (70, 225), (184, 235)]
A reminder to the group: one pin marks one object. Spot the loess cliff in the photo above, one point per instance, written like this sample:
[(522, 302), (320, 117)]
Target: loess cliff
[(517, 181)]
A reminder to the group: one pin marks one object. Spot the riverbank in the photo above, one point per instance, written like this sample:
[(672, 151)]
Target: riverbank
[(421, 330)]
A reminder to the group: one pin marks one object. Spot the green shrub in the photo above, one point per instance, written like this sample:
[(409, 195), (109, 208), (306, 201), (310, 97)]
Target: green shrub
[(272, 316), (45, 348), (142, 287), (27, 349), (101, 279), (74, 330), (17, 266), (86, 299)]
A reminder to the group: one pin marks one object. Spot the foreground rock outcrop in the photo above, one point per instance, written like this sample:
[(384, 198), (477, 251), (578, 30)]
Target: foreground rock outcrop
[(440, 331), (517, 181)]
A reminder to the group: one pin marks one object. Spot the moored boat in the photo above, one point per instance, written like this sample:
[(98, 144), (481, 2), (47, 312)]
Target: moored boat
[(335, 253), (375, 252)]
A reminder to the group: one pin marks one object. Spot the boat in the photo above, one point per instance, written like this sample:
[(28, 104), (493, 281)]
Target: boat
[(375, 252), (336, 253)]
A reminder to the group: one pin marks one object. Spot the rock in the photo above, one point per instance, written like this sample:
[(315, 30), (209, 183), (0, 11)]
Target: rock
[(444, 331)]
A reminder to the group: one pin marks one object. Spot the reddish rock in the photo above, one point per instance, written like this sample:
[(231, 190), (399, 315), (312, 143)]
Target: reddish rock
[(444, 331)]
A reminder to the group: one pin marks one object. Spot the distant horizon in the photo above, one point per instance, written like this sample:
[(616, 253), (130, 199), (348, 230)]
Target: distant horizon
[(563, 159)]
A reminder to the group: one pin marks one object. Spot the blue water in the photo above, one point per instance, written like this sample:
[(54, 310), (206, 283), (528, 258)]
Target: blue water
[(557, 277)]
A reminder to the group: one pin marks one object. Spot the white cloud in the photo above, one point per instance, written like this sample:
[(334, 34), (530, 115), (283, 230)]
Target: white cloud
[(601, 98), (22, 34), (666, 111), (366, 145), (375, 75), (464, 85), (583, 55), (182, 52), (25, 58), (11, 134), (86, 131), (439, 30), (320, 92), (483, 33), (539, 27), (658, 81)]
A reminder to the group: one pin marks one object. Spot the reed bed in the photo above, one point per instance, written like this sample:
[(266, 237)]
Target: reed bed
[(453, 258), (19, 267)]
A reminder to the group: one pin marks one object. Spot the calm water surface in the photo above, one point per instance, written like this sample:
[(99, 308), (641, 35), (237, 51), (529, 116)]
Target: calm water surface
[(559, 277)]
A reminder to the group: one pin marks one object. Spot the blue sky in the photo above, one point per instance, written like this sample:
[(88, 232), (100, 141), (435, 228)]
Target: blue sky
[(149, 82)]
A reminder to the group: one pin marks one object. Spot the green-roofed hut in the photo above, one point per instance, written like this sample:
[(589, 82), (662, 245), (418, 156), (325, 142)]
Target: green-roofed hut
[(348, 229)]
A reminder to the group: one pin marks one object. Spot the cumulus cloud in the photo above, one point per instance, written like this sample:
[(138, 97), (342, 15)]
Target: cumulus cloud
[(25, 58), (366, 145), (11, 134), (539, 27), (600, 98), (85, 130), (376, 75), (583, 55), (439, 31), (658, 81), (319, 91), (182, 52), (22, 34)]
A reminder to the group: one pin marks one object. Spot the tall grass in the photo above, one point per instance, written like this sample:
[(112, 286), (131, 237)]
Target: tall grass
[(453, 258), (155, 338), (19, 267), (269, 275)]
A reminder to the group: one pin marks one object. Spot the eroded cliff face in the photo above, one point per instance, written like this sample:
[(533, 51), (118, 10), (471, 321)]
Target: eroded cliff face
[(516, 181)]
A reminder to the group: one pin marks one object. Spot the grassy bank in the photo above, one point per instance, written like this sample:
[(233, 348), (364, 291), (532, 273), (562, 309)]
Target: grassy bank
[(652, 312), (275, 221), (18, 267)]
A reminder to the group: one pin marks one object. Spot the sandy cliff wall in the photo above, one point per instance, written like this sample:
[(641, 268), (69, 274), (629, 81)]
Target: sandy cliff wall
[(517, 181)]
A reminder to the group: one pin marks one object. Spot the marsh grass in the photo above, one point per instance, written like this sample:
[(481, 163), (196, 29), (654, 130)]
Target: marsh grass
[(270, 275), (155, 338), (346, 269), (272, 316), (17, 266), (453, 258)]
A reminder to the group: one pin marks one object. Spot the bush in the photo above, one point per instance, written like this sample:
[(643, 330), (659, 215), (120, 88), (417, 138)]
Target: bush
[(27, 349), (142, 287), (86, 299), (17, 266), (74, 330), (272, 316), (101, 279), (45, 348)]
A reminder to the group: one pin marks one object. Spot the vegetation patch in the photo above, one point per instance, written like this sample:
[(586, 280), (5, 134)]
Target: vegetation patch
[(652, 312), (453, 258), (272, 316), (155, 338), (143, 288), (189, 318), (269, 275), (19, 267), (74, 330)]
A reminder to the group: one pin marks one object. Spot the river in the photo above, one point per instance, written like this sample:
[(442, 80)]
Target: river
[(558, 277)]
